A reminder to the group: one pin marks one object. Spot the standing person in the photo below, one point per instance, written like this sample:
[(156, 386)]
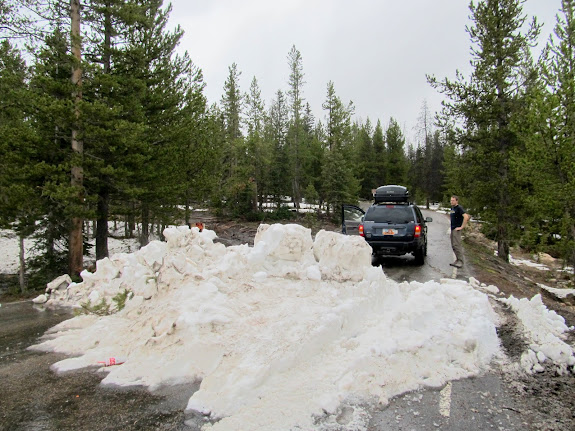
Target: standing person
[(459, 219)]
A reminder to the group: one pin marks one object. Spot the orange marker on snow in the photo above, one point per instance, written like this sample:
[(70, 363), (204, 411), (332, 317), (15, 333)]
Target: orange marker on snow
[(112, 361)]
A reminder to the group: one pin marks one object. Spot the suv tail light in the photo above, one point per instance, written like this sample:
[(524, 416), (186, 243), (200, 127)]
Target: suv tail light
[(360, 228), (417, 231)]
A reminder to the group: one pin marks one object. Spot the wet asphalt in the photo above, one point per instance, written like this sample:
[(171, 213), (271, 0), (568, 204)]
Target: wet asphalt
[(34, 398)]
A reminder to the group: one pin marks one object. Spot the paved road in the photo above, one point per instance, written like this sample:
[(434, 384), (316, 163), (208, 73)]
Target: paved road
[(439, 256), (33, 398)]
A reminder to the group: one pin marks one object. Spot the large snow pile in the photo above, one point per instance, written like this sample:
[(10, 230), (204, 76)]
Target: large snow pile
[(277, 333)]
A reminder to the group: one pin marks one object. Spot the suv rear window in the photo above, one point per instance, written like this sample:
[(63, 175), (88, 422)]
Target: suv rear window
[(398, 214)]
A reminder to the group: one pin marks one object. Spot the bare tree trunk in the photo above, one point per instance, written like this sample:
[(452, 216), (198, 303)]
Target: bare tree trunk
[(22, 271), (76, 253), (255, 196), (132, 221), (102, 225), (144, 237)]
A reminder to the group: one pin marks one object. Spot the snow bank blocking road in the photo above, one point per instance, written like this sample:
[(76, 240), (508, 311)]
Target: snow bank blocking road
[(279, 332)]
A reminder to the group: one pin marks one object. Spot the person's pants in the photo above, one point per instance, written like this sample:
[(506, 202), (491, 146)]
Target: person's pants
[(457, 245)]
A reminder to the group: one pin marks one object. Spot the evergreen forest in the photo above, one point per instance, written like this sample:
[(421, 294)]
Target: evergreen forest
[(101, 120)]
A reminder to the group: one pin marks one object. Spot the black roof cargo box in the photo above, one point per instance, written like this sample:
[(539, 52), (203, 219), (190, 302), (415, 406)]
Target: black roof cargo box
[(391, 193)]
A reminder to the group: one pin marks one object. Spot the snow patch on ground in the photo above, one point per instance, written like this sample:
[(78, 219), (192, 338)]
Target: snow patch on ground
[(545, 331), (559, 293)]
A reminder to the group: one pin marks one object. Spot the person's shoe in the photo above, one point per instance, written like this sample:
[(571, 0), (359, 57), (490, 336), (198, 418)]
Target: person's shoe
[(457, 264)]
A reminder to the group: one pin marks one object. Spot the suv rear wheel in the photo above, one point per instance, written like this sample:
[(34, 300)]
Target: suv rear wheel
[(420, 255)]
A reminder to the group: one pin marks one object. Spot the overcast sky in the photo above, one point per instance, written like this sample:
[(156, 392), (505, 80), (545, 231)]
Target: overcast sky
[(376, 52)]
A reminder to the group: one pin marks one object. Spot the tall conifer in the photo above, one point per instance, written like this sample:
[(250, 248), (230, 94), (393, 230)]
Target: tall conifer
[(484, 111)]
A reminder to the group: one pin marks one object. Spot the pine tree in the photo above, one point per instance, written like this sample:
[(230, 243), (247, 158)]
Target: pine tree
[(296, 136), (380, 156), (75, 244), (339, 183), (554, 150), (396, 166), (54, 119), (487, 106), (435, 182), (276, 135), (314, 159), (194, 155), (19, 172), (135, 91), (259, 152), (167, 89), (366, 159), (232, 104), (236, 184), (426, 161)]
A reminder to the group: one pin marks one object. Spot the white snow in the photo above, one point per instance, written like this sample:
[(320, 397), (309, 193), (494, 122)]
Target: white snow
[(559, 293), (9, 244), (525, 262), (10, 249), (544, 330), (286, 330)]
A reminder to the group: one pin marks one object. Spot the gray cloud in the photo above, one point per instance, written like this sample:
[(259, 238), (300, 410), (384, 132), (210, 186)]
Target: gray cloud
[(377, 53)]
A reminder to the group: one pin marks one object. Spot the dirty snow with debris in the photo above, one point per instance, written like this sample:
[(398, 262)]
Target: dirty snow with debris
[(562, 293), (280, 333), (543, 329)]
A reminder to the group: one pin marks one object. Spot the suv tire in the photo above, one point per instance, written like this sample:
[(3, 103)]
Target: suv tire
[(420, 256)]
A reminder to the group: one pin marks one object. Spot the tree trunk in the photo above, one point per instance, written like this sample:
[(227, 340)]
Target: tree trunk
[(573, 251), (571, 257), (296, 193), (502, 242), (102, 225), (255, 196), (22, 271), (132, 221), (76, 251), (144, 236), (187, 213)]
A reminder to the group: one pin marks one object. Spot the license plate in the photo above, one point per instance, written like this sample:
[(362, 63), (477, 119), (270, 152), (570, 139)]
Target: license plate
[(389, 232)]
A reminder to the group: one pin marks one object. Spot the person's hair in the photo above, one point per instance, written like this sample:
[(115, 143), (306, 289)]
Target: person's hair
[(455, 197)]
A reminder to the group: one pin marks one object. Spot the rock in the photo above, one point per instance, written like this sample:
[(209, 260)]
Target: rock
[(545, 259)]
